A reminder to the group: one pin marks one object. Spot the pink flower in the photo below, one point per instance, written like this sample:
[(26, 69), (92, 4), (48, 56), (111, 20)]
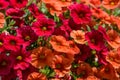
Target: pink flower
[(96, 38), (21, 58), (15, 12), (18, 3), (80, 13), (27, 34), (13, 42), (43, 27), (6, 63), (3, 4)]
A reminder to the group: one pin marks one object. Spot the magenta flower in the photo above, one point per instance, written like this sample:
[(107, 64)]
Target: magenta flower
[(96, 39), (18, 3), (27, 34), (6, 63), (3, 4), (43, 27), (13, 42), (15, 12), (21, 58), (80, 13)]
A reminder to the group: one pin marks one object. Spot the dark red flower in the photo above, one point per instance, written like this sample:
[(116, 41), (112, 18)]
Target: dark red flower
[(43, 27), (27, 34), (80, 13), (13, 42), (35, 11), (2, 42), (18, 3), (15, 12), (96, 38), (21, 59), (6, 63), (3, 4)]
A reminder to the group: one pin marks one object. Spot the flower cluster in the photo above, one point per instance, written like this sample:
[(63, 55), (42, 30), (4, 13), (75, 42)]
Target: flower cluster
[(60, 39)]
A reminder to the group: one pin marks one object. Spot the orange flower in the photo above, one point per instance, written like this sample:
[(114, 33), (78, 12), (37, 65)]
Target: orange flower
[(36, 76), (2, 20), (110, 4), (41, 57), (61, 65), (90, 78), (114, 58), (59, 43), (114, 38), (72, 48), (57, 6), (78, 36), (84, 70), (107, 72)]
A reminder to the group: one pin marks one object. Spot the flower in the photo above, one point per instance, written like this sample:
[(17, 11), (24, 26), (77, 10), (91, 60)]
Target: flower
[(96, 38), (43, 27), (80, 13), (54, 8), (41, 57), (13, 42), (3, 4), (36, 76), (78, 36), (6, 63), (107, 72), (110, 4), (18, 3), (2, 42), (14, 12), (114, 38), (22, 59), (61, 65), (27, 34), (2, 20)]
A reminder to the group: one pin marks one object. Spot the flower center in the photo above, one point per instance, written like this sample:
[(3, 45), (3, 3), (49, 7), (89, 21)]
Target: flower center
[(4, 63), (42, 56), (27, 38), (63, 0), (19, 58), (81, 15), (1, 43), (78, 37), (13, 42), (58, 66), (44, 28), (112, 3), (92, 40)]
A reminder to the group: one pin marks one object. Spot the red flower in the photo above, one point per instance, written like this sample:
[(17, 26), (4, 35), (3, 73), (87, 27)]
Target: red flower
[(43, 27), (3, 4), (80, 13), (13, 42), (15, 12), (18, 3), (96, 38), (6, 63), (2, 42), (27, 34), (21, 58)]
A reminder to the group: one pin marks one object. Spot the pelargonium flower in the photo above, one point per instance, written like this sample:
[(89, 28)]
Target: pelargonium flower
[(14, 12), (3, 4), (80, 13), (6, 63), (13, 42), (96, 38), (2, 20), (43, 27), (21, 59), (18, 3), (27, 34)]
